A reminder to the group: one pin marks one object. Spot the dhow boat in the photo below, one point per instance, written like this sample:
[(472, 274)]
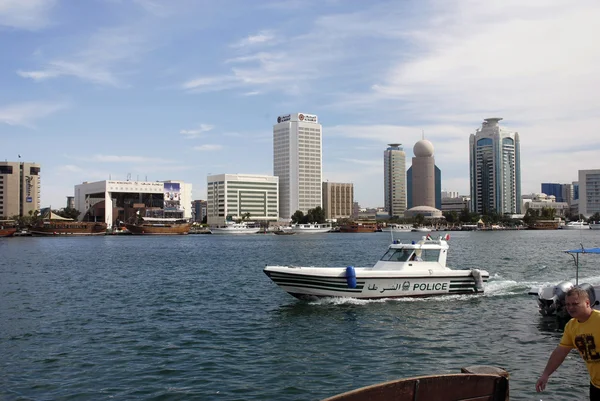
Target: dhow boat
[(405, 270)]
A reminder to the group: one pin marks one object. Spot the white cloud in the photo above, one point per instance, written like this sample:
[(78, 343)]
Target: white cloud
[(100, 61), (26, 14), (261, 38), (128, 159), (197, 132), (208, 147), (71, 168), (25, 114)]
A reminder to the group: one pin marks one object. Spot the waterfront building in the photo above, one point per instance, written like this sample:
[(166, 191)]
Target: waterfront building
[(457, 204), (589, 192), (495, 169), (338, 200), (236, 196), (297, 162), (70, 202), (19, 188), (540, 201), (450, 194), (199, 210), (394, 176), (111, 200)]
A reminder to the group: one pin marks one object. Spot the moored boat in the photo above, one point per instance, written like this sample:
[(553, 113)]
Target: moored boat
[(311, 228), (405, 270), (235, 228), (594, 225), (283, 232), (397, 228), (54, 225), (421, 229), (7, 228), (159, 226), (359, 228), (543, 225), (576, 225)]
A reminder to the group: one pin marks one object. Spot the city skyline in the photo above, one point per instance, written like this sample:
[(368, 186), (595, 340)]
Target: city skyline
[(177, 90)]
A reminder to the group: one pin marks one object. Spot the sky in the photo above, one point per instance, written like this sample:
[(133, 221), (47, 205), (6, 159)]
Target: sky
[(182, 89)]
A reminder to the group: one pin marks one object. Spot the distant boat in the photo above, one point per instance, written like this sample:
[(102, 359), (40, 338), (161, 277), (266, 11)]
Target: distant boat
[(397, 228), (235, 228), (284, 232), (595, 225), (159, 226), (311, 228), (7, 228), (576, 225), (421, 229), (543, 225), (55, 225), (359, 228)]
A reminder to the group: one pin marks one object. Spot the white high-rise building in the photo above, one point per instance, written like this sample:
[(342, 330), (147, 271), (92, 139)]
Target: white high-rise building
[(589, 192), (297, 161), (495, 169), (394, 167)]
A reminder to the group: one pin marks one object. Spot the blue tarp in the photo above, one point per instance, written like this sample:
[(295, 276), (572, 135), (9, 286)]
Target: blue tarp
[(584, 250)]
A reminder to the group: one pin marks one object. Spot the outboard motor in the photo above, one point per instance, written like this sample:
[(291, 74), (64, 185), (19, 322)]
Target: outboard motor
[(551, 300)]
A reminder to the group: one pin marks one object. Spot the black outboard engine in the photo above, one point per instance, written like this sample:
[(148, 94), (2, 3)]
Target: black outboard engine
[(591, 293), (551, 300)]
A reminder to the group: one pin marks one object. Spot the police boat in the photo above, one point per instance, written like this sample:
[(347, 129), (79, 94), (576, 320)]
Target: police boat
[(416, 269), (551, 299)]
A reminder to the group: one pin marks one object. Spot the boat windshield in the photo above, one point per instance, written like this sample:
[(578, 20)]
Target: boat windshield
[(397, 255)]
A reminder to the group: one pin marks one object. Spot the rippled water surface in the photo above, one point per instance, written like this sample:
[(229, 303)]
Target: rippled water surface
[(194, 317)]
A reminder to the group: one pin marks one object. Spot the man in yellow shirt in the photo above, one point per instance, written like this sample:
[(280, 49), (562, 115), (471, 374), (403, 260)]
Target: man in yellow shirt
[(581, 332)]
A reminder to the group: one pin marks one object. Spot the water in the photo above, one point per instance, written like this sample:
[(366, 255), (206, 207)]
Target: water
[(194, 317)]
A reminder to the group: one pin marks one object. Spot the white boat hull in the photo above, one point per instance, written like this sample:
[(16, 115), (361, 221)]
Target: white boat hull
[(396, 229), (238, 231), (595, 226), (311, 283)]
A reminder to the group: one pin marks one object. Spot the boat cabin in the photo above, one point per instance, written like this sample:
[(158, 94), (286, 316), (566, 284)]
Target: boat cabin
[(425, 250)]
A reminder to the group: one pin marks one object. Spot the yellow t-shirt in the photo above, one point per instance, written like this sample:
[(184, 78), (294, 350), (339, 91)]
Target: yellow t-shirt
[(585, 337)]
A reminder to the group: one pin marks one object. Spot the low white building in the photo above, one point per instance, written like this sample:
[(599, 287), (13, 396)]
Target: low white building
[(114, 200), (540, 201), (233, 196)]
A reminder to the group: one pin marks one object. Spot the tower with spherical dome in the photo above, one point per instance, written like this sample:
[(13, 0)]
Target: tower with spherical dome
[(422, 175)]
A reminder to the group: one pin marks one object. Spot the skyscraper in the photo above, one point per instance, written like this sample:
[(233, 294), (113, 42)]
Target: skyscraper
[(394, 170), (297, 161), (19, 188), (589, 188), (495, 169)]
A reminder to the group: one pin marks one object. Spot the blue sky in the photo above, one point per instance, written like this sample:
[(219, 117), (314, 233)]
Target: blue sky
[(181, 89)]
